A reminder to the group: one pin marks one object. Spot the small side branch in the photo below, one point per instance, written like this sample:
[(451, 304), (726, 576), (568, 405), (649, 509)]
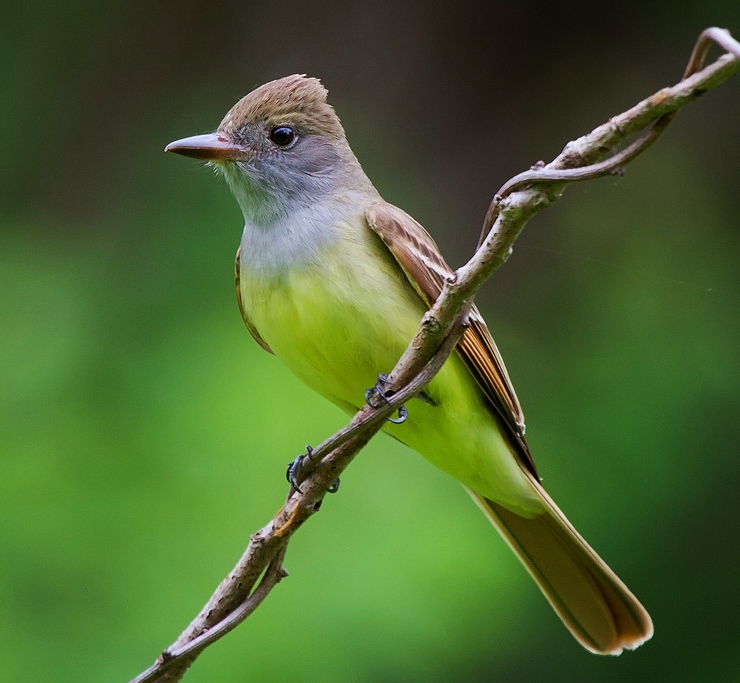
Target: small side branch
[(261, 566)]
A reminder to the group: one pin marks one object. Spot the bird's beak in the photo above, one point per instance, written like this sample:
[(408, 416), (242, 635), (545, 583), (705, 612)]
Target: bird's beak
[(210, 147)]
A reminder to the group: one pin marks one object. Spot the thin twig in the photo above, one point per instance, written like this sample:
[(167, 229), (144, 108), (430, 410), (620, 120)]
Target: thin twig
[(561, 170), (513, 206)]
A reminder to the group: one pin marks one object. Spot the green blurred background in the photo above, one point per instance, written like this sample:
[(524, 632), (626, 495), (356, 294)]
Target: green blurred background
[(143, 435)]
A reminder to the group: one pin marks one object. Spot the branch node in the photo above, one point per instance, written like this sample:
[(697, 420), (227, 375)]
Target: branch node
[(430, 323), (659, 97)]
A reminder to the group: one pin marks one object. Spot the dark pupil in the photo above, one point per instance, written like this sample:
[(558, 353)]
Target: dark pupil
[(282, 135)]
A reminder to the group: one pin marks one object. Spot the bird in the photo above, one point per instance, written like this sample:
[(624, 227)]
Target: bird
[(334, 281)]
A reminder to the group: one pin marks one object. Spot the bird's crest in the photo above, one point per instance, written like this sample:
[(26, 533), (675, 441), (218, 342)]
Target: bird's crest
[(297, 100)]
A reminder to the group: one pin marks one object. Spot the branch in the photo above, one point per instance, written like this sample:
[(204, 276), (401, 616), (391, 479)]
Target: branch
[(513, 206)]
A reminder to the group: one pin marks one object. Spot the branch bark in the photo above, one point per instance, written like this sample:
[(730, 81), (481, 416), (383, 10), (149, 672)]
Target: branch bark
[(242, 591)]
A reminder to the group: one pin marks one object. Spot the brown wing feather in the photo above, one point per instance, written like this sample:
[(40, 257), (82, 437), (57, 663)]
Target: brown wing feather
[(484, 361), (421, 260), (413, 248), (245, 317)]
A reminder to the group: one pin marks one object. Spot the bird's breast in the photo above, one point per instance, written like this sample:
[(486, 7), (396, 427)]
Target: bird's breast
[(337, 319)]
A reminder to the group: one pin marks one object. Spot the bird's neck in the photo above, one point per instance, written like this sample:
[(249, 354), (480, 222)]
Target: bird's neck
[(300, 232)]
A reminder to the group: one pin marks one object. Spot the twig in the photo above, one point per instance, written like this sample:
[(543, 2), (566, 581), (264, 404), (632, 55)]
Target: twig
[(512, 207), (232, 601)]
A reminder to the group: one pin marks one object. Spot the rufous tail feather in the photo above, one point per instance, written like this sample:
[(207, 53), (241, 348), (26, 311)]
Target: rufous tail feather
[(598, 609)]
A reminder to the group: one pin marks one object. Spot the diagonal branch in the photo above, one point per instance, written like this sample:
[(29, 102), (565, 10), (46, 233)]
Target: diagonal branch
[(513, 206)]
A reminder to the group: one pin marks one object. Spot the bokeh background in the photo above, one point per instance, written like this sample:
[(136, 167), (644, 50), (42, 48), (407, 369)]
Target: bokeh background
[(143, 435)]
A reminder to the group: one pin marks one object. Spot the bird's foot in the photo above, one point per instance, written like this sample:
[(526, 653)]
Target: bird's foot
[(297, 470), (376, 396)]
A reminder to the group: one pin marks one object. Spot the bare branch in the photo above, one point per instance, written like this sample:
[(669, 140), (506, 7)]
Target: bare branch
[(528, 193), (513, 206)]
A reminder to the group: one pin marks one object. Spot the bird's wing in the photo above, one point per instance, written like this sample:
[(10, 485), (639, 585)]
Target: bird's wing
[(420, 258), (245, 316)]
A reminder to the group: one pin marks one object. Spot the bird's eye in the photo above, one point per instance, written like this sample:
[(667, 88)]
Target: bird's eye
[(282, 135)]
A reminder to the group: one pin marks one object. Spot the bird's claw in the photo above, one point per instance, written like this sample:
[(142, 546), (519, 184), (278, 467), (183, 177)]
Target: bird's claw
[(334, 486), (403, 413), (297, 468), (376, 396)]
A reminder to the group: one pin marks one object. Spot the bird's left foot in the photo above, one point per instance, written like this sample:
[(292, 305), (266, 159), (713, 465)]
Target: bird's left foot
[(376, 396), (297, 471)]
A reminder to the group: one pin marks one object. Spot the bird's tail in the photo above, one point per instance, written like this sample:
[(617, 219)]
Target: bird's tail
[(598, 609)]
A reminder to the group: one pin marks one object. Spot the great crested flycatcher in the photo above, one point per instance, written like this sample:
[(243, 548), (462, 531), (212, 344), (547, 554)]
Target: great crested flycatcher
[(335, 281)]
